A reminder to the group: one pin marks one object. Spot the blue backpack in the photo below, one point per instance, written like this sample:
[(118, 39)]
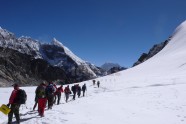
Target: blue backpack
[(50, 89)]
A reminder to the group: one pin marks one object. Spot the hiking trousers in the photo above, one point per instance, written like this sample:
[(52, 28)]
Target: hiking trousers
[(79, 94), (59, 98), (67, 96), (83, 93), (50, 101), (14, 110), (74, 95), (41, 106)]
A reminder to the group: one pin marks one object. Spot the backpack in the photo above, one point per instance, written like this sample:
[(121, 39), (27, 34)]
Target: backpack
[(41, 92), (21, 97), (84, 87), (67, 90), (50, 89)]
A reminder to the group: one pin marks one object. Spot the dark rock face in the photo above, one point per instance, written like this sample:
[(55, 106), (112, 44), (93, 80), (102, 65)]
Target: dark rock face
[(110, 68), (57, 56), (153, 51), (25, 70), (107, 66), (115, 69)]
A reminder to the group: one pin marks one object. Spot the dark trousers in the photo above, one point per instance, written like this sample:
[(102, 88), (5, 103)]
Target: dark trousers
[(79, 94), (50, 101), (83, 93), (74, 95), (67, 96), (58, 98), (55, 97), (14, 110)]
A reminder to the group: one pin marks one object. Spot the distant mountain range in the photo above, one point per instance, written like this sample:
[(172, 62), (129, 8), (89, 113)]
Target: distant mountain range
[(18, 54), (54, 54), (109, 68), (29, 62), (108, 65)]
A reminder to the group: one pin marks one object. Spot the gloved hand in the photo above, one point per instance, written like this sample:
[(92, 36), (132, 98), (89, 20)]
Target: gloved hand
[(8, 105)]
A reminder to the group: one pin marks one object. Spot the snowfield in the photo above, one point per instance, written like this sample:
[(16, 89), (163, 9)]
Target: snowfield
[(153, 92)]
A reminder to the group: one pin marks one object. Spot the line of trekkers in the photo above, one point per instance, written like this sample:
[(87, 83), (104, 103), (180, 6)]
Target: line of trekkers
[(43, 94)]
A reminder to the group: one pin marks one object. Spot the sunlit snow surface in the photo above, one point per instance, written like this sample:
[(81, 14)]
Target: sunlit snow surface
[(152, 93)]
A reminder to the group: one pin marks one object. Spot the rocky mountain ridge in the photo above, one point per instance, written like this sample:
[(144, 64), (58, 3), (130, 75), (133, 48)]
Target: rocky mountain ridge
[(153, 51), (54, 54)]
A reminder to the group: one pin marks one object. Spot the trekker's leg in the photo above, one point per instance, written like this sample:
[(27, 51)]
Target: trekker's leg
[(42, 106), (10, 115), (66, 95), (16, 113), (59, 97), (50, 101), (73, 96), (39, 106), (55, 97), (35, 105), (79, 94), (83, 93)]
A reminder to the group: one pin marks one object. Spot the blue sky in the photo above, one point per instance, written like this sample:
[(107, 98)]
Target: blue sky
[(97, 31)]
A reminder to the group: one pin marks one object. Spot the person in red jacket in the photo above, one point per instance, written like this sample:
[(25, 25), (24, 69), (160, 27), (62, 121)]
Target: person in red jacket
[(58, 93), (41, 95), (13, 105), (67, 93)]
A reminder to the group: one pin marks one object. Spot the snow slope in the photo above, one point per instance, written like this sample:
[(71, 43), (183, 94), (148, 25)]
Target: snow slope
[(150, 93)]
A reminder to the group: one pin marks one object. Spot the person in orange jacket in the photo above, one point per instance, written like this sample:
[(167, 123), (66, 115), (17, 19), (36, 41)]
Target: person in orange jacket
[(14, 106)]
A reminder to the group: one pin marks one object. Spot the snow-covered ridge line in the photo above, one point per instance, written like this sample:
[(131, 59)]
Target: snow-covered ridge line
[(22, 44), (78, 60), (27, 45)]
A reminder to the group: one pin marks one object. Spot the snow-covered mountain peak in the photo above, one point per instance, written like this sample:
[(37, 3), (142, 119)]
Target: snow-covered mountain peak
[(108, 65), (24, 37), (5, 33), (57, 43), (28, 40), (67, 51)]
